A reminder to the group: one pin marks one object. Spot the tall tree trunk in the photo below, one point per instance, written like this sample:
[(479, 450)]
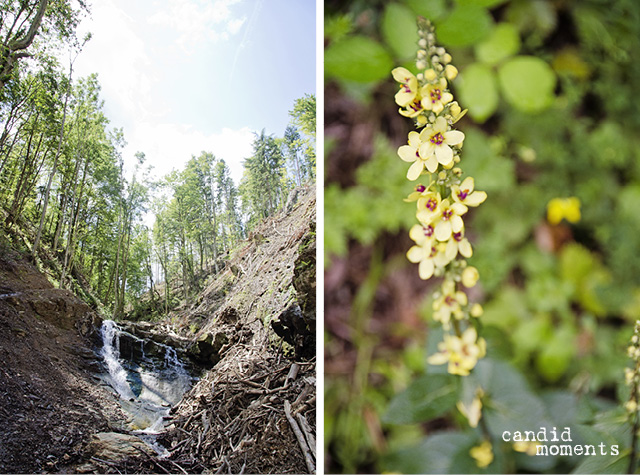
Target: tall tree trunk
[(36, 243)]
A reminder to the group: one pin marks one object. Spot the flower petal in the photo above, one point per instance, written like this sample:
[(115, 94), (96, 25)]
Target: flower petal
[(415, 170), (426, 268), (465, 249), (475, 198), (432, 164), (416, 254), (407, 153), (453, 137), (444, 154), (443, 231), (414, 139)]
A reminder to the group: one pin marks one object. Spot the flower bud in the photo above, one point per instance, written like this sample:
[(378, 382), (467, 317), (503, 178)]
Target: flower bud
[(470, 276), (451, 72)]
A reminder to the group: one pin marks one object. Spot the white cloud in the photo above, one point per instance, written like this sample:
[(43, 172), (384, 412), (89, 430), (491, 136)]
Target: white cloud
[(119, 56), (169, 146), (196, 22)]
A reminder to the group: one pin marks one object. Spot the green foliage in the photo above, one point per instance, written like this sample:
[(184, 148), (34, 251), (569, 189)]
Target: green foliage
[(357, 58)]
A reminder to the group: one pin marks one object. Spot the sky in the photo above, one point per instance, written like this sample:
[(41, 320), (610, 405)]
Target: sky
[(185, 76)]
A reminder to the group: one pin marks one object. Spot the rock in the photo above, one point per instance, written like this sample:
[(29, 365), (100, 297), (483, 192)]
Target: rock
[(207, 349), (114, 446)]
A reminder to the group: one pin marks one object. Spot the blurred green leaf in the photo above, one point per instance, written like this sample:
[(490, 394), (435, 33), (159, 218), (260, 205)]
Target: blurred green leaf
[(428, 397), (510, 405), (527, 83), (502, 43), (357, 58), (337, 27), (556, 355), (478, 91), (482, 3), (400, 30), (466, 25), (433, 9), (446, 452), (490, 171)]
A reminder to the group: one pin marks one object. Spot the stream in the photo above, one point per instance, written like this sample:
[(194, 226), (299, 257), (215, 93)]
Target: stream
[(148, 377)]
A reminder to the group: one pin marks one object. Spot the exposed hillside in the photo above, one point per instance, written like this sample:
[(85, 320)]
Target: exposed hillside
[(252, 330)]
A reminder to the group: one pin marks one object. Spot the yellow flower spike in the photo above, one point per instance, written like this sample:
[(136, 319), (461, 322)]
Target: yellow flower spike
[(439, 237), (483, 454), (408, 86), (563, 208), (437, 140)]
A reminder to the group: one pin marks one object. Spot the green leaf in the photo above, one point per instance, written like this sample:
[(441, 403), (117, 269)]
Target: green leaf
[(440, 453), (466, 25), (510, 405), (482, 3), (557, 354), (602, 464), (478, 91), (503, 42), (359, 59), (400, 31), (527, 83), (433, 9), (426, 398), (491, 172)]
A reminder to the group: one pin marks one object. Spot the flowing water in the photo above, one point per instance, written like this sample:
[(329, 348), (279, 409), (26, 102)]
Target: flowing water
[(148, 383)]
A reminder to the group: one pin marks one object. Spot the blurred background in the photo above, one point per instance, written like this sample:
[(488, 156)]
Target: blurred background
[(553, 92)]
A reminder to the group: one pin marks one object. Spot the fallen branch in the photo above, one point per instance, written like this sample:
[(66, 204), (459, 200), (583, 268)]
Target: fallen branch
[(308, 433), (301, 439)]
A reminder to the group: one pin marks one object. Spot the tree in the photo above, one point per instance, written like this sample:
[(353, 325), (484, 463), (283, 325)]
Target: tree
[(23, 20), (261, 186)]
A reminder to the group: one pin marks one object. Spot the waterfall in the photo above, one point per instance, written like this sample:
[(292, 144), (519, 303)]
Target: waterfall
[(148, 382), (111, 354)]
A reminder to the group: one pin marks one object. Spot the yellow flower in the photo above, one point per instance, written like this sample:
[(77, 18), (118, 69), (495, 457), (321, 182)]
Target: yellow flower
[(428, 253), (461, 353), (482, 454), (449, 304), (435, 96), (459, 243), (567, 208), (449, 214), (473, 412), (437, 140), (408, 86), (411, 153), (529, 448), (428, 207), (465, 194)]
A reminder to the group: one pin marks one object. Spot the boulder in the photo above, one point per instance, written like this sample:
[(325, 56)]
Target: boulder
[(114, 446)]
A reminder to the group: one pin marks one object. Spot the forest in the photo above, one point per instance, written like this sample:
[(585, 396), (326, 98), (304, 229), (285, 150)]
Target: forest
[(95, 219), (146, 323)]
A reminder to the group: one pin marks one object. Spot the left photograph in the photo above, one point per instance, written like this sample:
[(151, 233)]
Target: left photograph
[(157, 236)]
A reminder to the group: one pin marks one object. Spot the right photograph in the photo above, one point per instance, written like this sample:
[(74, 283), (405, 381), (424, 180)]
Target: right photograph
[(482, 236)]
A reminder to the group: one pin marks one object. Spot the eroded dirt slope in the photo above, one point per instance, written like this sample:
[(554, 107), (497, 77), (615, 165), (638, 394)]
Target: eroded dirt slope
[(49, 402)]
